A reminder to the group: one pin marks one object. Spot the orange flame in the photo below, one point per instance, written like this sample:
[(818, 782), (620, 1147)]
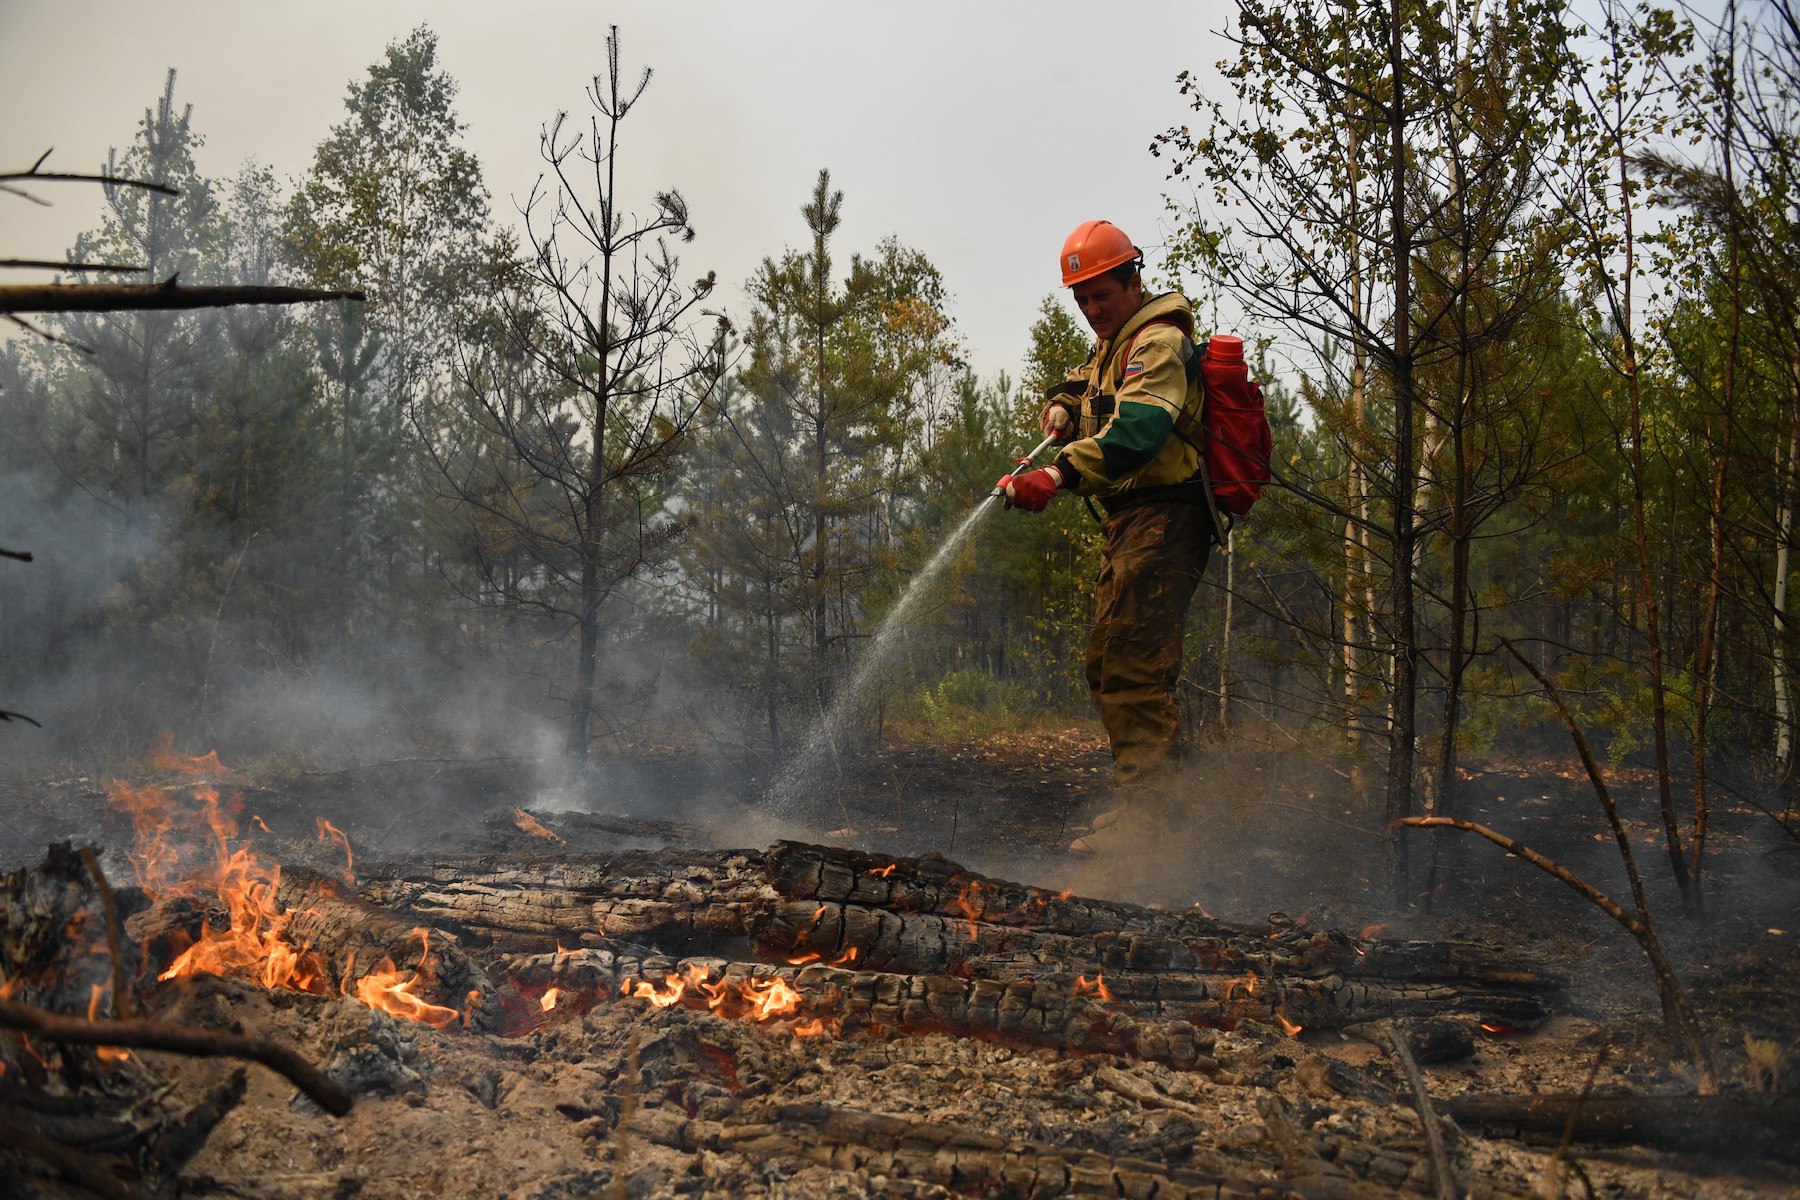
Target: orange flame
[(884, 872), (1247, 982), (164, 758), (643, 989), (771, 997), (330, 832), (388, 989), (106, 1054), (252, 944), (1287, 1026), (1096, 989), (548, 1000), (967, 905)]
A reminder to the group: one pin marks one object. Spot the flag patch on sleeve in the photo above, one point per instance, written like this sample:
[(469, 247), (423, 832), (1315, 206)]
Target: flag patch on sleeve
[(1131, 369)]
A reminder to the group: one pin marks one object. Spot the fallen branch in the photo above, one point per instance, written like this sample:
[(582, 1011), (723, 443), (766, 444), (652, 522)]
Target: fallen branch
[(1678, 1011), (50, 264), (124, 297), (1746, 1129), (1434, 1137), (115, 947), (84, 1169), (152, 1035)]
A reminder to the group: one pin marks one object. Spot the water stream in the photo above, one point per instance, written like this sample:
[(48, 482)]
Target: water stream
[(810, 773)]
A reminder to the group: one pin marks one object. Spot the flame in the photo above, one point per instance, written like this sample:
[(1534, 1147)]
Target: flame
[(967, 905), (548, 1000), (252, 944), (529, 824), (1096, 989), (761, 999), (669, 993), (884, 872), (1496, 1030), (106, 1054), (1247, 982), (330, 832), (1287, 1026), (848, 956), (812, 1028), (771, 997), (164, 758), (261, 824), (391, 991)]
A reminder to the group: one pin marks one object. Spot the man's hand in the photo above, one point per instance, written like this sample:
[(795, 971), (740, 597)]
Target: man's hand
[(1058, 420), (1032, 490)]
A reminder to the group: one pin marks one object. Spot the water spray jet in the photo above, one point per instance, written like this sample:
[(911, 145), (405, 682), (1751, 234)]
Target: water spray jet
[(822, 738)]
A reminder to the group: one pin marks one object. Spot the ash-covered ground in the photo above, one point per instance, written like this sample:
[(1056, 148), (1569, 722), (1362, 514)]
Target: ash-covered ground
[(618, 1097)]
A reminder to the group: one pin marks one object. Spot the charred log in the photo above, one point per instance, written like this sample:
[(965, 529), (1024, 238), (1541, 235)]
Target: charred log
[(929, 917), (686, 901), (353, 938), (962, 1159), (1710, 1125)]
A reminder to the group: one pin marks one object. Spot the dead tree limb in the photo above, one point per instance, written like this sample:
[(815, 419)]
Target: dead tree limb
[(50, 264), (1678, 1011), (115, 946), (83, 1169), (54, 340), (153, 1035), (1434, 1137), (1668, 986), (34, 175), (169, 294), (1744, 1129)]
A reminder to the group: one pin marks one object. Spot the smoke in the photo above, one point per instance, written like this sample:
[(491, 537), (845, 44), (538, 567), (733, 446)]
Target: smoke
[(1241, 833)]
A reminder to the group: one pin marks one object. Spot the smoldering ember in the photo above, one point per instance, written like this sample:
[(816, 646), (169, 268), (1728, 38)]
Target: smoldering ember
[(492, 708)]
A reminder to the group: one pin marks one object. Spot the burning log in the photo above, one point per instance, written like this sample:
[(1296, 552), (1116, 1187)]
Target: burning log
[(386, 961), (928, 917), (820, 998)]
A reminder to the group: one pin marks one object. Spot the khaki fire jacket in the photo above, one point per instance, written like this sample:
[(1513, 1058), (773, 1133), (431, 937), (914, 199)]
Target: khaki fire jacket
[(1129, 397)]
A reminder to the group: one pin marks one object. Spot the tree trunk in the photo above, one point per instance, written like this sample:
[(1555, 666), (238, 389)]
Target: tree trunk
[(1405, 650), (1784, 524)]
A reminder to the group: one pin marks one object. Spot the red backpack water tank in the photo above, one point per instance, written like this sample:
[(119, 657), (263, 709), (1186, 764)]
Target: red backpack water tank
[(1238, 440)]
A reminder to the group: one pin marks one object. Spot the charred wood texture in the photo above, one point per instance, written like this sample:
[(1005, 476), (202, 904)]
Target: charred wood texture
[(684, 901), (869, 1002), (1711, 1125), (52, 920), (929, 917), (964, 1160), (353, 938)]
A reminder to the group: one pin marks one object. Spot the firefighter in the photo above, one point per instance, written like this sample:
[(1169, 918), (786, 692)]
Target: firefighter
[(1117, 420)]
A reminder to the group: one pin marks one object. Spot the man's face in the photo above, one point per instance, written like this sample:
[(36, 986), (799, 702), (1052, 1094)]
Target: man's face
[(1107, 304)]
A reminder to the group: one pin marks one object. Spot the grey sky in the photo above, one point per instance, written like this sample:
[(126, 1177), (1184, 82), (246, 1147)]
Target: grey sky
[(977, 132)]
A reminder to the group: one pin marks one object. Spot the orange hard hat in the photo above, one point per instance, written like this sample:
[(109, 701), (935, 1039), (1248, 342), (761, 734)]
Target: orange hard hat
[(1095, 248)]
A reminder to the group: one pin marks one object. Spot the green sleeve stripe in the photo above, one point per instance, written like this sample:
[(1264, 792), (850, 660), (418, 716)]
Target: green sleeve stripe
[(1136, 436)]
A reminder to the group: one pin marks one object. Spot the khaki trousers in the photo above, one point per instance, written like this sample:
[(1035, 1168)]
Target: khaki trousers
[(1150, 564)]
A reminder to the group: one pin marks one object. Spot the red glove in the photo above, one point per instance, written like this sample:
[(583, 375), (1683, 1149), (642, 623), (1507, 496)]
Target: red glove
[(1059, 419), (1032, 490)]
